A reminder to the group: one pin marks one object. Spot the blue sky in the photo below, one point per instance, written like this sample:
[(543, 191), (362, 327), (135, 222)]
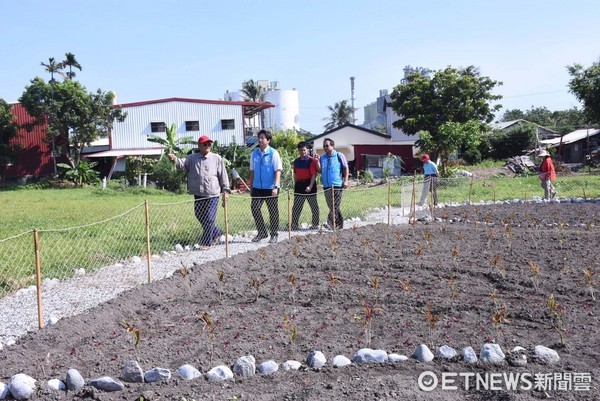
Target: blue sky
[(151, 49)]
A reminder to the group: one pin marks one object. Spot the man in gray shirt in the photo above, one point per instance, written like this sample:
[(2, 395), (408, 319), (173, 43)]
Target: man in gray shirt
[(206, 180)]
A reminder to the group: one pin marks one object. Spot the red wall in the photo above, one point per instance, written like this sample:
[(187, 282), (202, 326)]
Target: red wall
[(404, 151), (36, 157)]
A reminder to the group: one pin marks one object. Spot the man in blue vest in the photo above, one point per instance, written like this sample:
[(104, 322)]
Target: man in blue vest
[(334, 175), (265, 175)]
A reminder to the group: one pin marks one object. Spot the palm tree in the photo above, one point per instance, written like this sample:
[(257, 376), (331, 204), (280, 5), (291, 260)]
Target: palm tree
[(52, 67), (70, 62), (252, 92), (171, 142), (341, 113)]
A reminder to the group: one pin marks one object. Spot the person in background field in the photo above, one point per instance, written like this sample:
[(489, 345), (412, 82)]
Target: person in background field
[(430, 174), (306, 168), (265, 175), (547, 175), (334, 175), (206, 180)]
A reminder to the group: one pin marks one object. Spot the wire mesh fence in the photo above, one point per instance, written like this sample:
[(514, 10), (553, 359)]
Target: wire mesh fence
[(122, 247)]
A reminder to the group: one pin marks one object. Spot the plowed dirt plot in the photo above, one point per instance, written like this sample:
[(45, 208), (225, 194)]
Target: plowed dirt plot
[(485, 274)]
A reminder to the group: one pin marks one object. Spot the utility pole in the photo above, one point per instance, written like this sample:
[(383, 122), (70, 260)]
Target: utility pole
[(352, 99)]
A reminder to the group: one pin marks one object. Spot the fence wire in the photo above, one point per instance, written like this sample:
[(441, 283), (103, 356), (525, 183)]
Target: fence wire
[(124, 246)]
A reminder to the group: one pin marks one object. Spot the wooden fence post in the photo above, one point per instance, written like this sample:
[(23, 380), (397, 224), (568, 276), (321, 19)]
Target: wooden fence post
[(225, 206), (289, 210), (389, 202), (148, 252), (38, 276)]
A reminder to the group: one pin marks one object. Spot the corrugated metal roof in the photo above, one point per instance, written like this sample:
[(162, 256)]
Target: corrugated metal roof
[(128, 152), (571, 137), (249, 108)]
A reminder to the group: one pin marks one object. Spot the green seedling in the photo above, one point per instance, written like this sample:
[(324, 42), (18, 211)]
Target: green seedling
[(293, 282), (366, 319), (375, 284), (452, 286), (427, 236), (535, 273), (405, 284), (495, 261), (255, 285), (556, 314), (135, 332), (432, 319), (333, 282), (419, 251), (185, 273), (292, 332), (210, 327), (588, 278), (220, 281)]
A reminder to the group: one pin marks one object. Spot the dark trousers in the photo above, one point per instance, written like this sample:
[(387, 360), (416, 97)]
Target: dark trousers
[(258, 197), (334, 205), (300, 196), (205, 210)]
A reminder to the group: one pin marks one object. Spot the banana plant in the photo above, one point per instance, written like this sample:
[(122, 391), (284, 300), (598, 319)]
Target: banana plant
[(171, 143)]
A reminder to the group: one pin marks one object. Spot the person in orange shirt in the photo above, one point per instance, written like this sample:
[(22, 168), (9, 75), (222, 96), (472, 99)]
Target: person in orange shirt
[(547, 175)]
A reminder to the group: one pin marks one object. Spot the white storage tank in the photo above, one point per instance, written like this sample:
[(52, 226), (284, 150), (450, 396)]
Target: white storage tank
[(233, 96), (286, 113)]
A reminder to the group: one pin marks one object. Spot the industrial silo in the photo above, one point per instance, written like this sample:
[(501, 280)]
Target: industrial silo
[(286, 113)]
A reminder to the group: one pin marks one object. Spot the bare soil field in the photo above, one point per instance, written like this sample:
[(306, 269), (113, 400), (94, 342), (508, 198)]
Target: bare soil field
[(484, 274)]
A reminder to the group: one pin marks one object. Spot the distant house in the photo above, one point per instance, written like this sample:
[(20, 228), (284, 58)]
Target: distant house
[(366, 149), (223, 121), (542, 132), (35, 158), (574, 146)]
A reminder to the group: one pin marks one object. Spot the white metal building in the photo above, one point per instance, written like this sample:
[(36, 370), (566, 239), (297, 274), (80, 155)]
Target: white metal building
[(222, 121)]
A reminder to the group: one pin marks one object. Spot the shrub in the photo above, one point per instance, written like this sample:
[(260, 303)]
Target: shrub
[(168, 177), (472, 156)]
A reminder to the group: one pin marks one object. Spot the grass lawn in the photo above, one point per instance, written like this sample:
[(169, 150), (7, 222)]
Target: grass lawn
[(110, 225)]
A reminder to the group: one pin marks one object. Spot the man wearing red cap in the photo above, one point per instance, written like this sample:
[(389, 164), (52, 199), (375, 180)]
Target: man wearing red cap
[(430, 173), (206, 180)]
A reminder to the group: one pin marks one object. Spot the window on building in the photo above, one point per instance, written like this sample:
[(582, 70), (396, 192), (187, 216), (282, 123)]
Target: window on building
[(192, 126), (158, 127), (227, 124)]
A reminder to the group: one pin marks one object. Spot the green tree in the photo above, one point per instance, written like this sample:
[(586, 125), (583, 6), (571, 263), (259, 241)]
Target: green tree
[(562, 121), (341, 113), (70, 62), (510, 142), (451, 136), (9, 153), (511, 115), (585, 85), (74, 116), (450, 96)]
